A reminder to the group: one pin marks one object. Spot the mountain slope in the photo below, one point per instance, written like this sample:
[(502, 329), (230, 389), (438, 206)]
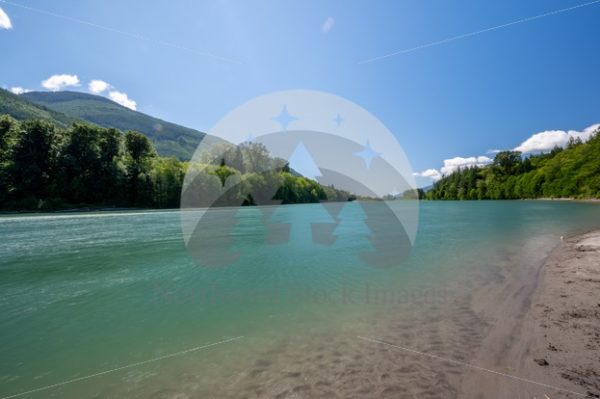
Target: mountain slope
[(22, 109), (169, 139)]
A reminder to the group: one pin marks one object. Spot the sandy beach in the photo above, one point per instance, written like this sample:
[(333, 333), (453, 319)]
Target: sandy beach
[(566, 314), (548, 344)]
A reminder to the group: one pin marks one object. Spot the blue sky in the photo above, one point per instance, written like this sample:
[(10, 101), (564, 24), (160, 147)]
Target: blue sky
[(191, 62)]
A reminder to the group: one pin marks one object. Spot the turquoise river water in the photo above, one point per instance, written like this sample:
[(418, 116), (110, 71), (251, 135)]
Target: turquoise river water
[(111, 305)]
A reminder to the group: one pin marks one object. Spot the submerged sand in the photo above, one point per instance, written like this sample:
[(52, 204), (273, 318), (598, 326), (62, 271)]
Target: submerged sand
[(531, 331)]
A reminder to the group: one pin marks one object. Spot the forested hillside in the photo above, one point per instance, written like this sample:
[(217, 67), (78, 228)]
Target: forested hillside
[(22, 109), (65, 107), (168, 138), (572, 172), (45, 167)]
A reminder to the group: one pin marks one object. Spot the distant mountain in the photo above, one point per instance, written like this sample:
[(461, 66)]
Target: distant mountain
[(66, 106), (22, 109)]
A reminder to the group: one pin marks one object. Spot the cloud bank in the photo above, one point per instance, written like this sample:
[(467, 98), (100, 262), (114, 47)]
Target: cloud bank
[(59, 82), (546, 141), (4, 20), (432, 174), (97, 86), (18, 90), (452, 165), (538, 142), (122, 99)]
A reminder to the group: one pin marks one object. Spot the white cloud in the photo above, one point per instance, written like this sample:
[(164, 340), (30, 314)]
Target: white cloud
[(328, 25), (451, 165), (19, 90), (59, 82), (123, 99), (546, 141), (98, 86), (4, 20), (539, 142), (432, 174)]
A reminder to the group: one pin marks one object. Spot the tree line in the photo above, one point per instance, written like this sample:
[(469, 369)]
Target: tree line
[(570, 172), (45, 167)]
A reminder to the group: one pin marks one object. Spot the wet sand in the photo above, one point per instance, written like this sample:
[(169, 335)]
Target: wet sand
[(549, 341), (532, 332), (566, 313)]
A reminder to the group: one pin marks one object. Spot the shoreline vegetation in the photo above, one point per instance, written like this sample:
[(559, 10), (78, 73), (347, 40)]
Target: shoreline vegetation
[(47, 168), (572, 172)]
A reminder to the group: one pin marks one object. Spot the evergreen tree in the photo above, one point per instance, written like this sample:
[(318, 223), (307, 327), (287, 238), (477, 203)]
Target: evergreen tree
[(33, 162), (44, 167), (139, 151), (8, 133), (572, 172)]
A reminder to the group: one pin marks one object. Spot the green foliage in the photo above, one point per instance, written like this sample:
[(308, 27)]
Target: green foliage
[(65, 108), (21, 109), (34, 159), (245, 158), (166, 176), (223, 172), (80, 164), (298, 189), (573, 172), (43, 166), (168, 138), (138, 147), (8, 135)]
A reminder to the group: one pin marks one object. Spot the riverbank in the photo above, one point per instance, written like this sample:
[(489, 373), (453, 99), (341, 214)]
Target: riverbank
[(548, 339), (569, 199), (567, 310)]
